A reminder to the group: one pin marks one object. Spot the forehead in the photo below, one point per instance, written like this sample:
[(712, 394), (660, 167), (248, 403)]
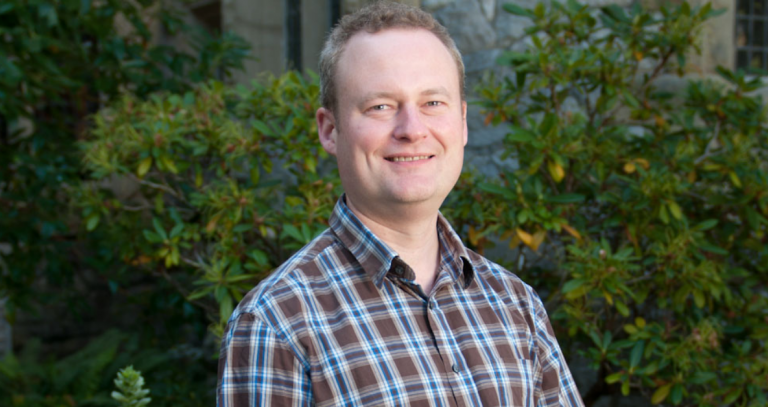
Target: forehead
[(395, 58)]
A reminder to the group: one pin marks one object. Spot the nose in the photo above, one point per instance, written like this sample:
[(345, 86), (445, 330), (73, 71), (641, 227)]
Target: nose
[(409, 126)]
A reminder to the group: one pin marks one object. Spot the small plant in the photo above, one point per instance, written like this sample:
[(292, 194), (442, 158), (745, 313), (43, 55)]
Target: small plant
[(131, 392)]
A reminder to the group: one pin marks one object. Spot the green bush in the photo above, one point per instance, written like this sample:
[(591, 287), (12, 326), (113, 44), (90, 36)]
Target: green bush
[(226, 184), (60, 61), (651, 204)]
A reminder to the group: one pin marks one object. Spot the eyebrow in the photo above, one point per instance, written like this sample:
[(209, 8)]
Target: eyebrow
[(440, 90)]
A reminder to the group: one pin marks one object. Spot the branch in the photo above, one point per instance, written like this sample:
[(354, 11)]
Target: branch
[(135, 208), (162, 187), (183, 291), (658, 69), (710, 146), (553, 96)]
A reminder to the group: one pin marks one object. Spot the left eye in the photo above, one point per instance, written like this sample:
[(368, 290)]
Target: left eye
[(433, 103)]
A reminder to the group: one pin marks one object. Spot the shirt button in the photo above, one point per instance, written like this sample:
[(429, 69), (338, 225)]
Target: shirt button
[(455, 368), (431, 305)]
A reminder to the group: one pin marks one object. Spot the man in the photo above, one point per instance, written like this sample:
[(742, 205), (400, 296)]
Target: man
[(387, 307)]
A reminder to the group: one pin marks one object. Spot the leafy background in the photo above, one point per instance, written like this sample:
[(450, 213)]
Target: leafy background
[(142, 196)]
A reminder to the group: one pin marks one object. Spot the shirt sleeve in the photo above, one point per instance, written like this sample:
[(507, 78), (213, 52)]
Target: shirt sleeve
[(557, 387), (257, 367)]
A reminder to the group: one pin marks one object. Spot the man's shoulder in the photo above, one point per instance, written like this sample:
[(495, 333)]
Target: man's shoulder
[(497, 277), (294, 278)]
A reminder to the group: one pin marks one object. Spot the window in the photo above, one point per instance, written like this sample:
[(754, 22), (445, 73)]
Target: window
[(293, 32), (306, 25), (752, 34), (208, 12)]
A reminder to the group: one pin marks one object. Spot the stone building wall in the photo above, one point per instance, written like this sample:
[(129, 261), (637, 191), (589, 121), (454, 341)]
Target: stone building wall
[(483, 30)]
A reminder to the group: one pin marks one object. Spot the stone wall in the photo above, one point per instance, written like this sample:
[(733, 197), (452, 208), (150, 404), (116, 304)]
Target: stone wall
[(483, 30)]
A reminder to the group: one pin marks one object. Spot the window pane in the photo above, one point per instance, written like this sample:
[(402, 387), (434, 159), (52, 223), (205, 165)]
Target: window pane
[(743, 7), (741, 33), (759, 7), (757, 60), (742, 59), (758, 34)]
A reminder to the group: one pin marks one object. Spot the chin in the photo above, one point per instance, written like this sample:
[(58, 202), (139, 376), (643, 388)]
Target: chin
[(413, 195)]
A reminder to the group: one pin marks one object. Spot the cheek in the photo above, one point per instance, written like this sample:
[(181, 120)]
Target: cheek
[(365, 139)]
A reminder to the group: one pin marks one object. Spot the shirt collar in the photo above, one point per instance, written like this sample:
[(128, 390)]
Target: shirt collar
[(376, 258)]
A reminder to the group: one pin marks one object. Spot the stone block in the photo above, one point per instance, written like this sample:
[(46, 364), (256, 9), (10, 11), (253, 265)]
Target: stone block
[(489, 8), (467, 25), (481, 60), (433, 5), (623, 3), (481, 135)]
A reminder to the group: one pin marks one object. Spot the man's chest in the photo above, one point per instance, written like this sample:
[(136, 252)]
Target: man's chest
[(463, 347)]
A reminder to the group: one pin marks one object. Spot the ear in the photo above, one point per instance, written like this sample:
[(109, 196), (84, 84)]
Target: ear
[(464, 116), (326, 129)]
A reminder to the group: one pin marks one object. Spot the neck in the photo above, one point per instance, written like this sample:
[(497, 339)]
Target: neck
[(414, 238)]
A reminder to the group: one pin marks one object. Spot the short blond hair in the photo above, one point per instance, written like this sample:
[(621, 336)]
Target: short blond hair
[(379, 16)]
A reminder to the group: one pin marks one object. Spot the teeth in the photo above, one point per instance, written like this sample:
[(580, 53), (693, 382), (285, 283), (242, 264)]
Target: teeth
[(400, 159)]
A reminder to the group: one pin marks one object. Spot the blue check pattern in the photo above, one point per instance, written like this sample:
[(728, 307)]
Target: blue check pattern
[(342, 323)]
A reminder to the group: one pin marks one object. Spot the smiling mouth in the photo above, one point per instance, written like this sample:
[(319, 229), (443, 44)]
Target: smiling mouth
[(405, 159)]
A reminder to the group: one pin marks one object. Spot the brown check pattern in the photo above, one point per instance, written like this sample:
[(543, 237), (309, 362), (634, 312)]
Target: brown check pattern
[(342, 323)]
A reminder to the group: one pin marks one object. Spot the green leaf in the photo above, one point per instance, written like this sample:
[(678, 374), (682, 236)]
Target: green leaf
[(565, 198), (663, 214), (661, 394), (260, 257), (702, 377), (520, 135), (262, 127), (255, 174), (621, 307), (637, 354), (514, 58), (698, 298), (713, 249), (677, 394), (625, 388), (617, 13), (293, 232), (613, 378), (176, 231), (629, 99), (144, 166), (732, 396), (573, 284), (497, 189), (151, 236), (706, 225), (675, 210), (517, 10), (245, 227), (159, 228), (92, 222), (199, 293), (4, 8), (225, 307)]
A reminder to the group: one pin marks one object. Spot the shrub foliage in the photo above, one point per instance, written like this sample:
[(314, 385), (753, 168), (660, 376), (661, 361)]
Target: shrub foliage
[(226, 184), (656, 201)]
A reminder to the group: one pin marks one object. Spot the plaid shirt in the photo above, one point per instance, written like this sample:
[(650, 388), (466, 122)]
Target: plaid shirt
[(342, 323)]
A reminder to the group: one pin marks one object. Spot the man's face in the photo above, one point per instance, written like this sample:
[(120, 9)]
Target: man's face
[(399, 128)]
